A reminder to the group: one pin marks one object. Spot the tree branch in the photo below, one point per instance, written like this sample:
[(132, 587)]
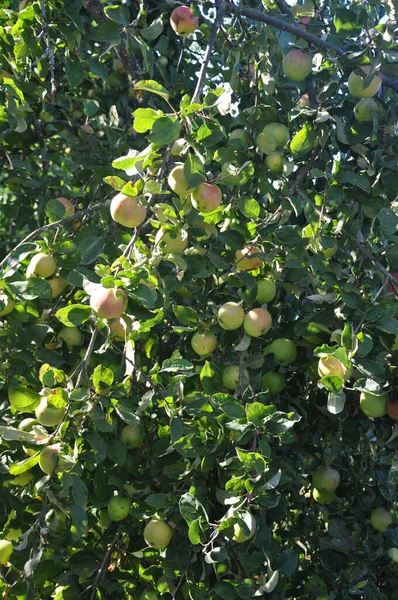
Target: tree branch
[(49, 49)]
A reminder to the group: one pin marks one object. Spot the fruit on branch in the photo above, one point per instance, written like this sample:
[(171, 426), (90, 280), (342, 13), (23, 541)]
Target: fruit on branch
[(86, 128), (230, 316), (57, 285), (179, 147), (27, 424), (178, 183), (51, 459), (330, 366), (284, 351), (380, 518), (173, 242), (274, 137), (393, 554), (183, 21), (8, 305), (231, 376), (373, 405), (266, 290), (326, 479), (274, 382), (323, 497), (297, 65), (304, 100), (118, 508), (5, 551), (245, 261), (274, 162), (108, 303), (239, 139), (49, 415), (257, 322), (392, 408), (127, 211), (132, 436), (157, 534), (119, 328), (240, 534), (206, 197), (204, 343), (356, 84), (72, 336), (41, 265), (365, 109)]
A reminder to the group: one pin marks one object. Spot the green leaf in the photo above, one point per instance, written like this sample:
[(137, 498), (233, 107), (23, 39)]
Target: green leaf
[(119, 14), (332, 383), (193, 170), (157, 501), (164, 131), (195, 532), (304, 140), (116, 451), (79, 521), (24, 465), (116, 182), (153, 31), (23, 399), (249, 207), (388, 325), (153, 87), (102, 378), (73, 315), (144, 119), (346, 23), (109, 31), (256, 413), (186, 314), (176, 365), (75, 72), (252, 460), (90, 249), (79, 491)]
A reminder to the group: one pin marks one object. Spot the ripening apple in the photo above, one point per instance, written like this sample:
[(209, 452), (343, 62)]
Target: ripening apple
[(86, 128), (104, 520), (245, 261), (48, 415), (183, 21), (372, 405), (326, 479), (157, 534), (240, 536), (365, 109), (297, 65), (257, 322), (119, 328), (41, 265), (330, 366), (231, 376), (8, 305), (132, 436), (393, 554), (72, 336), (108, 303), (206, 197), (204, 343), (266, 290), (380, 518), (356, 84), (178, 183), (57, 285), (118, 508), (230, 316), (51, 459), (173, 242), (5, 551), (284, 351), (323, 497), (239, 138), (274, 382), (127, 211), (274, 136)]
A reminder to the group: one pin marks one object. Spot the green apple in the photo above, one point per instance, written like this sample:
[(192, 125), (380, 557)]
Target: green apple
[(51, 459), (326, 479), (230, 377), (132, 436), (273, 137), (365, 109), (240, 535), (27, 424), (173, 242), (380, 518), (72, 336), (393, 554), (5, 551), (266, 290), (118, 508), (204, 343), (178, 183), (230, 316), (274, 382), (274, 162), (373, 405), (48, 415), (284, 351), (239, 138), (356, 84), (330, 366), (157, 534), (8, 305), (104, 520), (323, 497)]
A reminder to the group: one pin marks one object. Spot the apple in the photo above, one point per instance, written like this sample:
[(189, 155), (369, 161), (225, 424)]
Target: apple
[(104, 520), (239, 138), (373, 405), (304, 100), (8, 305), (284, 351), (173, 242), (392, 408), (244, 260), (127, 211), (179, 146), (297, 65), (323, 497), (57, 285), (390, 288), (274, 162), (117, 65), (178, 183), (274, 382), (204, 343), (72, 336), (183, 21), (5, 551), (231, 375), (68, 206), (86, 128), (50, 459), (41, 265), (157, 534), (108, 303), (206, 197), (118, 508), (119, 328), (356, 84), (230, 316), (273, 137), (365, 109), (27, 424), (393, 554), (257, 322), (266, 290), (49, 415), (380, 518), (240, 536), (330, 366), (149, 595), (326, 479), (132, 436)]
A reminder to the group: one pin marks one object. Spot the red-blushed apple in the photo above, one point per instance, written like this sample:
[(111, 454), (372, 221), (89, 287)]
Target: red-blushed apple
[(380, 518), (58, 285), (356, 84), (274, 382), (8, 304), (330, 366), (132, 436), (326, 479), (323, 497), (304, 100), (72, 336), (204, 343), (5, 551), (266, 290), (274, 162), (118, 508), (178, 183), (173, 242), (108, 303), (51, 459), (86, 128), (284, 351), (274, 136), (373, 405), (157, 534), (230, 316), (231, 375), (240, 534), (206, 197), (245, 261), (48, 415), (127, 211), (119, 328), (41, 265), (257, 322), (297, 65), (183, 21)]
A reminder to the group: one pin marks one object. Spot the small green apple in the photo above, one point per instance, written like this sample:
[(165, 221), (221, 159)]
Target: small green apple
[(157, 534), (118, 508)]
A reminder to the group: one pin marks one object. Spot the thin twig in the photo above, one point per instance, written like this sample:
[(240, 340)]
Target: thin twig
[(49, 50), (89, 351)]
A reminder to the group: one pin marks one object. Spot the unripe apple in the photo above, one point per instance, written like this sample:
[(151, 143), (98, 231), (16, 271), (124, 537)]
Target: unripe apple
[(132, 436), (266, 290), (27, 424), (127, 211), (157, 534), (58, 285), (297, 65), (5, 551), (118, 508), (231, 375), (230, 316), (239, 138), (119, 328), (206, 197), (48, 415), (117, 65), (41, 265), (108, 303), (380, 518), (273, 137), (178, 183), (173, 242), (179, 146), (323, 497), (9, 305), (326, 479), (245, 261), (104, 520), (330, 366), (372, 405), (204, 343), (183, 21), (50, 459), (356, 84), (257, 322), (72, 336), (284, 351), (393, 554), (240, 536), (365, 109), (274, 382), (274, 162)]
